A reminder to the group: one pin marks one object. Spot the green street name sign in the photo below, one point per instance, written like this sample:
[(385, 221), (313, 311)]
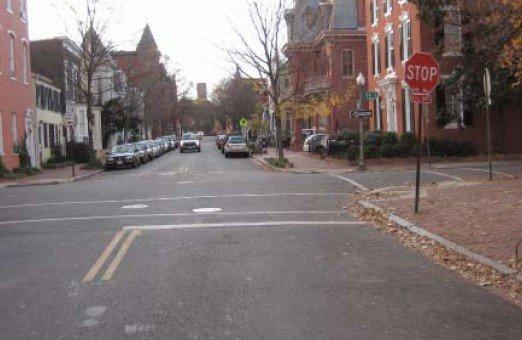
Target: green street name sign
[(370, 96)]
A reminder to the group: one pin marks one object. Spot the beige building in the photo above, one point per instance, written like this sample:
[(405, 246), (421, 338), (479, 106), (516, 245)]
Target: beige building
[(49, 120)]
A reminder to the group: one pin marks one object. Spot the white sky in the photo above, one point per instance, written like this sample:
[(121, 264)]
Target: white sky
[(185, 30)]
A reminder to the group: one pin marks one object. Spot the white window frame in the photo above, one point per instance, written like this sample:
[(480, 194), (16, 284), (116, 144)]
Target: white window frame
[(1, 135), (389, 7), (403, 2), (11, 63), (375, 12), (406, 36), (407, 108), (14, 132), (25, 63), (23, 10), (378, 112), (9, 6), (376, 42), (390, 48), (350, 51)]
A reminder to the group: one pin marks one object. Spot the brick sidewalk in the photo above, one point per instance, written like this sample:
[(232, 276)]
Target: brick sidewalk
[(51, 176)]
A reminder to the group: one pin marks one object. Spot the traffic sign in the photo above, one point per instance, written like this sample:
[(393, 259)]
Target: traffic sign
[(422, 98), (371, 96), (422, 73), (487, 86), (361, 114)]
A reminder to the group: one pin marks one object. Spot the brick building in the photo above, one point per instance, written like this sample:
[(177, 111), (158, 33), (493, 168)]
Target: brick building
[(326, 51), (16, 95), (145, 69), (394, 33)]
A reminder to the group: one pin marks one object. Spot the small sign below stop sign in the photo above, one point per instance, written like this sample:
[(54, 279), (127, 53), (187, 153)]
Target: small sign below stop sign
[(422, 73)]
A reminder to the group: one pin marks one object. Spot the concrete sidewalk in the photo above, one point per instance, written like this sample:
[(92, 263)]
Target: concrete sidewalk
[(51, 176), (304, 162)]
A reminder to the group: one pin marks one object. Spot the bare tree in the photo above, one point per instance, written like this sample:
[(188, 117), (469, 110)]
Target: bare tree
[(263, 54), (92, 24)]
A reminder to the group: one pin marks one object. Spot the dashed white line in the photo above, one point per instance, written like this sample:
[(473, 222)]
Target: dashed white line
[(444, 175)]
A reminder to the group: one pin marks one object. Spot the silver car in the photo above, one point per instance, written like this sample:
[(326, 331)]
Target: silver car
[(123, 156), (236, 145)]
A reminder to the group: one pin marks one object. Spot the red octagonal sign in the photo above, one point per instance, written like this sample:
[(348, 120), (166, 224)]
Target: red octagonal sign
[(422, 73)]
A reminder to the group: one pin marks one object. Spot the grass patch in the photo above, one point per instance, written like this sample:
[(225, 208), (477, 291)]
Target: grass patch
[(282, 163)]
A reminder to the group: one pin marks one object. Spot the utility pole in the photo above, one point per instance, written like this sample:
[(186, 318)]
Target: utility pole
[(360, 89), (487, 93)]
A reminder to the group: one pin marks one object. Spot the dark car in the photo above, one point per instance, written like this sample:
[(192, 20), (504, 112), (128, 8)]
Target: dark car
[(123, 156)]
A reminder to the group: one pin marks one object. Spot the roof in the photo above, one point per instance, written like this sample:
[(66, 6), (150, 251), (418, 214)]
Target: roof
[(147, 41)]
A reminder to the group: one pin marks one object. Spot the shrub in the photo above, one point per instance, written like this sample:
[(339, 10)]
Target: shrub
[(389, 138), (390, 150), (447, 148), (408, 143), (347, 135), (56, 154), (371, 151), (373, 139), (79, 152)]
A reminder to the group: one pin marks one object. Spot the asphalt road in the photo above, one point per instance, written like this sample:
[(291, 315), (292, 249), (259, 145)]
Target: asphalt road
[(196, 246)]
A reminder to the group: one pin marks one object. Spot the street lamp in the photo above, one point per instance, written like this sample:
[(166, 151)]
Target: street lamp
[(360, 89)]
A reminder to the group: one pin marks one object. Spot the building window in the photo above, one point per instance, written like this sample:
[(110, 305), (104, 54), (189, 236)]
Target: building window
[(407, 109), (389, 55), (1, 136), (450, 105), (374, 12), (23, 10), (46, 135), (405, 40), (40, 134), (376, 57), (347, 63), (11, 55), (9, 5), (452, 31), (378, 114), (387, 7), (25, 56), (14, 133)]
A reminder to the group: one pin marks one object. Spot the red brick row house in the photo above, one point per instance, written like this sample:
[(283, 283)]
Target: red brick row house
[(16, 94), (326, 50), (394, 32)]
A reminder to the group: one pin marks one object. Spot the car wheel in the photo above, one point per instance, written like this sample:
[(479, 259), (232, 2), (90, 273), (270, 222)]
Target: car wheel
[(199, 150), (227, 155)]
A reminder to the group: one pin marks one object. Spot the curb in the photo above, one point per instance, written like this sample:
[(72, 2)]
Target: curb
[(402, 223), (266, 166), (51, 182)]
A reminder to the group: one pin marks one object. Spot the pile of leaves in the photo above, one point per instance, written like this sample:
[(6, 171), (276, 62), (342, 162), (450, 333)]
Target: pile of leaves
[(472, 271), (282, 163)]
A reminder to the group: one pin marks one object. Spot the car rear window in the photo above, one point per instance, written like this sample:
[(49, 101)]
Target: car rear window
[(236, 139)]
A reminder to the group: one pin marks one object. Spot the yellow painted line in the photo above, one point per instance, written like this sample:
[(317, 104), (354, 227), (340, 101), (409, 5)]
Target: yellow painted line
[(121, 254), (104, 256)]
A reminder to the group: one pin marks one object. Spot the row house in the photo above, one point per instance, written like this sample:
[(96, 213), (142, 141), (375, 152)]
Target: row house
[(146, 72), (16, 98), (49, 138), (326, 51), (395, 32)]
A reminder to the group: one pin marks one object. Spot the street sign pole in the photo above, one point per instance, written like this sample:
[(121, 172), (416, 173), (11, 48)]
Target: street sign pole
[(487, 93), (419, 157)]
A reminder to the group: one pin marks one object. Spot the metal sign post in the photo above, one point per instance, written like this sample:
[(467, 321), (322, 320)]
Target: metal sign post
[(487, 93), (422, 74)]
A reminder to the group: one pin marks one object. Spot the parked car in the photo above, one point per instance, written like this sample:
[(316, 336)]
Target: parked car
[(154, 147), (236, 145), (172, 142), (161, 146), (144, 151), (189, 143), (316, 143), (123, 156)]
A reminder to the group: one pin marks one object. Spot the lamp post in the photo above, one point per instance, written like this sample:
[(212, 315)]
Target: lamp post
[(360, 90)]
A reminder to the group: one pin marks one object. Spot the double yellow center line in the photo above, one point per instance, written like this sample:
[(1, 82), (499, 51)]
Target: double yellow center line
[(97, 266)]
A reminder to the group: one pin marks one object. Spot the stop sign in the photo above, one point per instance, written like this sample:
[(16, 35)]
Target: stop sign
[(422, 73)]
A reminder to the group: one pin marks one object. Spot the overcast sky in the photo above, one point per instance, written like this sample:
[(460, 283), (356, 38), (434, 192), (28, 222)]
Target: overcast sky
[(185, 30)]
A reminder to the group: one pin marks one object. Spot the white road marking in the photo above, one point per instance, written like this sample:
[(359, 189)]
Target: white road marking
[(444, 175), (487, 171), (116, 217), (352, 182), (206, 210), (242, 224), (135, 206), (163, 199)]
